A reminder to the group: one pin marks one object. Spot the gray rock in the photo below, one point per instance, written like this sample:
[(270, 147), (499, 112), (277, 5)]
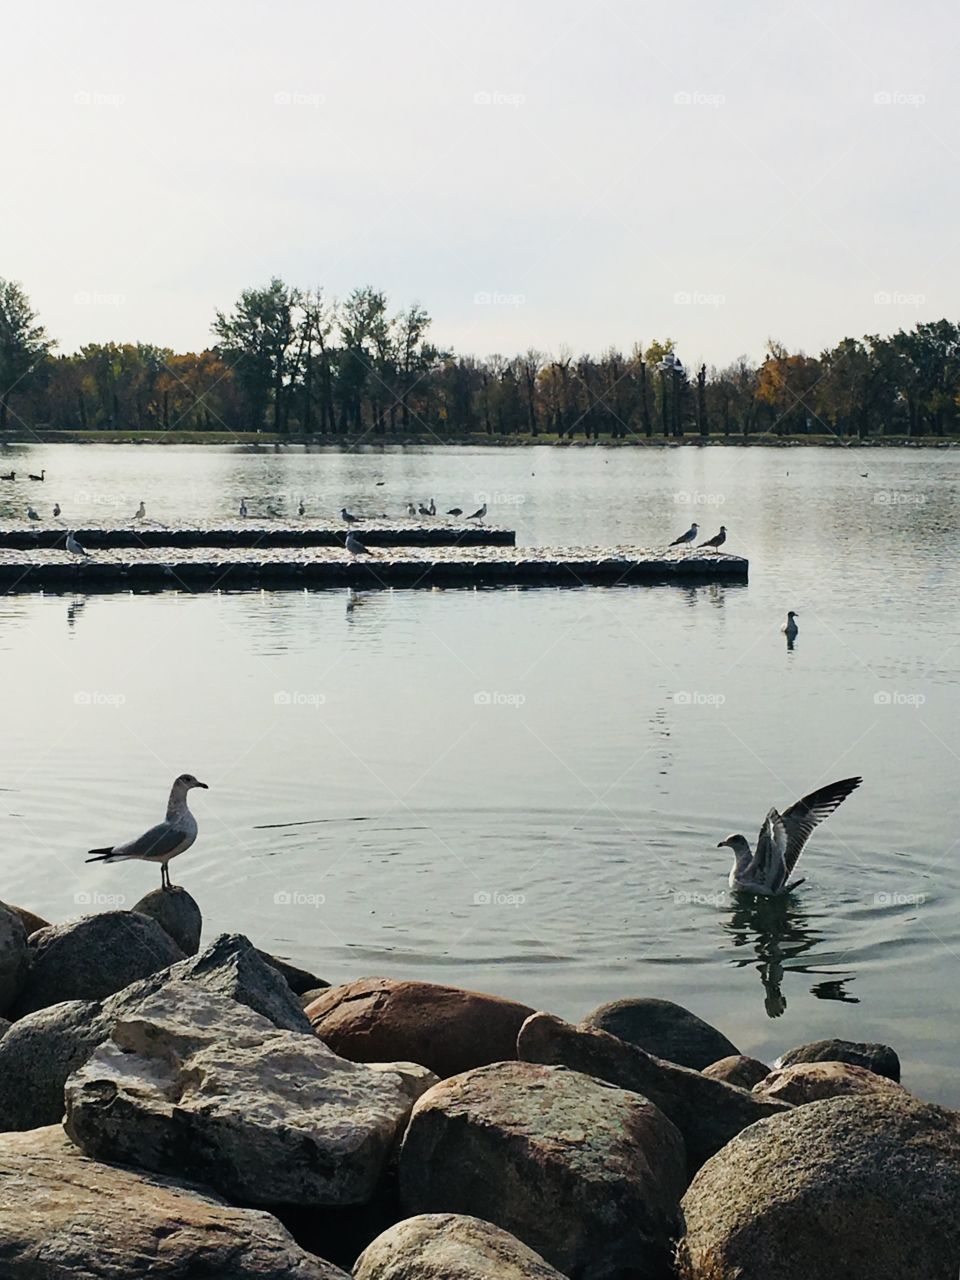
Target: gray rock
[(29, 919), (43, 1048), (858, 1187), (879, 1058), (450, 1246), (93, 957), (176, 912), (587, 1175), (739, 1070), (814, 1081), (298, 980), (14, 958), (5, 1026), (707, 1112), (64, 1217), (662, 1028), (194, 1085)]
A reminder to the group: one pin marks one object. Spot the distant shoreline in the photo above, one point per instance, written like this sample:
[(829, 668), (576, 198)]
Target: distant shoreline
[(368, 440)]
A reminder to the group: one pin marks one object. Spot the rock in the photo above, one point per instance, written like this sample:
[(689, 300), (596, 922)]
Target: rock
[(298, 980), (879, 1058), (707, 1112), (176, 912), (586, 1174), (192, 1084), (446, 1029), (739, 1070), (307, 997), (449, 1246), (416, 1080), (29, 919), (854, 1187), (43, 1048), (5, 1026), (14, 958), (64, 1217), (814, 1081), (662, 1028), (93, 957)]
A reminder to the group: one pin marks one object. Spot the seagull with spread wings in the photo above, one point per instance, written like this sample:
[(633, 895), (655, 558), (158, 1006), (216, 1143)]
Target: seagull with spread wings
[(782, 839)]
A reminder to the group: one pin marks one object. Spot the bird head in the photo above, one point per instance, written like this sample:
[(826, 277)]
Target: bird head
[(186, 782), (737, 843)]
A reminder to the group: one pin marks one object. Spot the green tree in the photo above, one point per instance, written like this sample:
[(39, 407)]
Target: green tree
[(24, 345), (257, 340)]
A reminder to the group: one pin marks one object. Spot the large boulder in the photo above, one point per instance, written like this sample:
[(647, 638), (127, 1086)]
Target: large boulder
[(738, 1069), (586, 1174), (707, 1112), (856, 1187), (64, 1217), (879, 1058), (446, 1029), (814, 1081), (14, 958), (176, 912), (192, 1084), (43, 1048), (449, 1246), (29, 919), (91, 958), (300, 981), (662, 1028)]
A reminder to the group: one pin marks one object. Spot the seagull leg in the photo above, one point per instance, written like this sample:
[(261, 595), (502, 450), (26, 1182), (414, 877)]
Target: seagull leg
[(164, 876)]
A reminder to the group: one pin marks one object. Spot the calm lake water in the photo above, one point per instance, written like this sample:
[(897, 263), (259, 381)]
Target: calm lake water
[(522, 791)]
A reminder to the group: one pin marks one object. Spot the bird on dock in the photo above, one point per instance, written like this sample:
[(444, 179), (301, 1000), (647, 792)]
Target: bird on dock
[(355, 546), (345, 515), (10, 475), (455, 511), (782, 839), (176, 833), (31, 514), (243, 506), (74, 547), (790, 628), (56, 510), (479, 513), (689, 536), (141, 511), (432, 508), (41, 476), (411, 509), (718, 539), (424, 511), (301, 510)]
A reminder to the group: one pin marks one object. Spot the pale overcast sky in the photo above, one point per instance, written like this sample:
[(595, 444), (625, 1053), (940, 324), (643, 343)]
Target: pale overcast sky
[(593, 173)]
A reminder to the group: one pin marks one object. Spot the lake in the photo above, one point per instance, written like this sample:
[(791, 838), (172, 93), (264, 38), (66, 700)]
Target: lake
[(522, 791)]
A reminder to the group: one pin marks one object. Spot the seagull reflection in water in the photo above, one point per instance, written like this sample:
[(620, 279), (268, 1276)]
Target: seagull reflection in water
[(779, 932)]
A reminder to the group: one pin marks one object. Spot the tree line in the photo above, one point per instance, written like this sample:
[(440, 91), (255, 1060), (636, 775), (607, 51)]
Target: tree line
[(295, 361)]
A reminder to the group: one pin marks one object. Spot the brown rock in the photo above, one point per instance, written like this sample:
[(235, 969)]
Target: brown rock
[(30, 921), (446, 1029), (814, 1081), (14, 959), (875, 1057), (737, 1069), (449, 1246)]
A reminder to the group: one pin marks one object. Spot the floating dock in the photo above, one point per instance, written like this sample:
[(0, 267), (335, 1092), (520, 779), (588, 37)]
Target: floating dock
[(245, 568), (24, 536)]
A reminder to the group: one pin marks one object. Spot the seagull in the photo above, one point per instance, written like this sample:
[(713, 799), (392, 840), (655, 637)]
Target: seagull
[(433, 507), (141, 511), (301, 510), (9, 475), (790, 627), (345, 515), (411, 509), (243, 506), (355, 546), (31, 514), (56, 510), (718, 540), (41, 476), (424, 511), (781, 841), (455, 511), (479, 514), (176, 833), (689, 536), (74, 547)]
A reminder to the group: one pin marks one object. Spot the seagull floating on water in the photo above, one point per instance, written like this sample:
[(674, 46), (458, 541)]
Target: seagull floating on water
[(176, 833), (781, 841), (790, 628), (718, 539), (345, 515), (689, 536), (31, 514), (355, 546), (479, 514), (56, 510), (74, 547)]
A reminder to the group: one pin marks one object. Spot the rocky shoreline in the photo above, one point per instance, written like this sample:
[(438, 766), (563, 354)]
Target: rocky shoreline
[(217, 1114)]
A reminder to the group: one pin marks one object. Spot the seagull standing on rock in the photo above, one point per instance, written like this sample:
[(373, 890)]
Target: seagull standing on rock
[(718, 539), (478, 515), (176, 833), (141, 511), (781, 841), (347, 517), (74, 547), (243, 506), (355, 546), (689, 536), (31, 514)]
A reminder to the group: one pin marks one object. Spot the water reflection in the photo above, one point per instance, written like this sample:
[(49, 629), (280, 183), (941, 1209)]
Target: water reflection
[(74, 609), (779, 932)]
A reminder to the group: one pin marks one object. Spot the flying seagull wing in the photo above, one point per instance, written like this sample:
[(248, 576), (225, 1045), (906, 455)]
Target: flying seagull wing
[(801, 818)]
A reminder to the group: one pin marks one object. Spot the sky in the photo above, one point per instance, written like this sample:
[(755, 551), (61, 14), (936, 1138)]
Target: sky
[(537, 174)]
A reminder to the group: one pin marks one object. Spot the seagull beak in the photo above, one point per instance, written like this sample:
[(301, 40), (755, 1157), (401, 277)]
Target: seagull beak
[(722, 844), (204, 785)]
